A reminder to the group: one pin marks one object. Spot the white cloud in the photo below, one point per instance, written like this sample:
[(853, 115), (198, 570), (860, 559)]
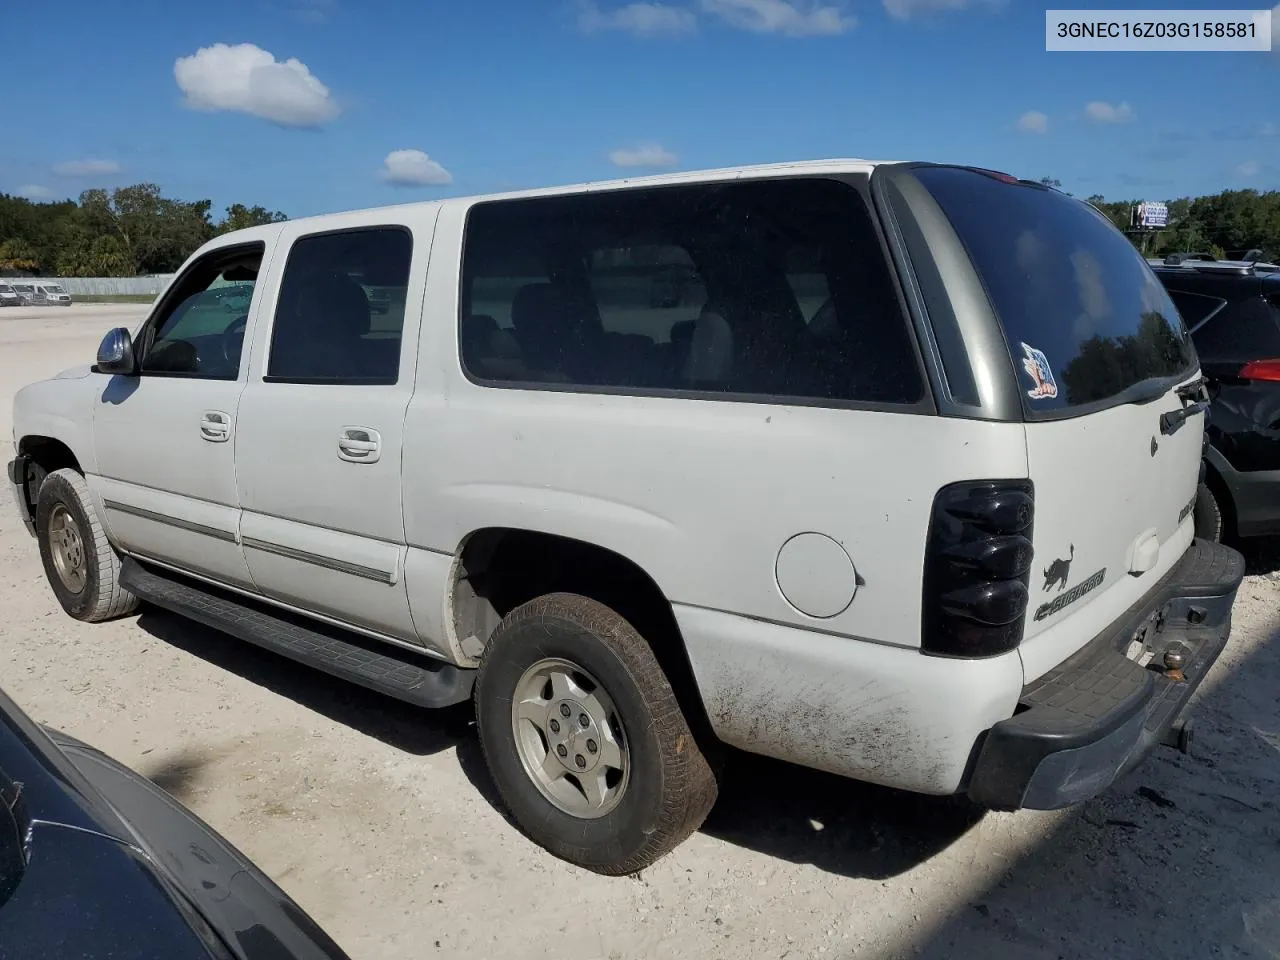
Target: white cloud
[(1250, 168), (906, 9), (413, 168), (792, 18), (1102, 112), (34, 192), (313, 11), (1033, 121), (86, 168), (640, 19), (247, 79), (646, 155)]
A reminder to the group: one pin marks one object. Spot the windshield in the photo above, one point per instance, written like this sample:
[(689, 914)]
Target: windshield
[(1084, 316), (53, 288)]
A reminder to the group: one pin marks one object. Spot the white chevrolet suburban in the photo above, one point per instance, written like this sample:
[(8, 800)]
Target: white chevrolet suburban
[(883, 469)]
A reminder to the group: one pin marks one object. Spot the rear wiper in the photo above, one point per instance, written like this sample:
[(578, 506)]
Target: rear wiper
[(1146, 391), (1172, 421), (1196, 390)]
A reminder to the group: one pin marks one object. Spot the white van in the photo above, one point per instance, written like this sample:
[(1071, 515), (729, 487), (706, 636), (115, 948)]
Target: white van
[(52, 294), (8, 296), (41, 293), (884, 469)]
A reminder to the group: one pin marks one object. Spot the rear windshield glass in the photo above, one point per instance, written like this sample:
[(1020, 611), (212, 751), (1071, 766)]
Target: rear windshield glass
[(1085, 318)]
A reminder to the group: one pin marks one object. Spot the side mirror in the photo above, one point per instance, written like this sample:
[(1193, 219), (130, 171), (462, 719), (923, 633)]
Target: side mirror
[(115, 353)]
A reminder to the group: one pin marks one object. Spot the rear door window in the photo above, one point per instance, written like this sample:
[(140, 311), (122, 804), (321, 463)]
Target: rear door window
[(1085, 318), (340, 313)]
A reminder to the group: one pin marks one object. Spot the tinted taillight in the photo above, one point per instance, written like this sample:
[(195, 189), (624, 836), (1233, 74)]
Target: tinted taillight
[(977, 568), (1261, 370)]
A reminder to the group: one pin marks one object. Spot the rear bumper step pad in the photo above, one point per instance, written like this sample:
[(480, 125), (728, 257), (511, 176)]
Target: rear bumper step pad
[(1097, 714), (413, 678)]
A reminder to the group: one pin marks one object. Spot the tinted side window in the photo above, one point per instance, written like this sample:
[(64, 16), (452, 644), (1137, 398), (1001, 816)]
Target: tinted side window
[(762, 289), (199, 328), (340, 313), (1195, 307), (1246, 330)]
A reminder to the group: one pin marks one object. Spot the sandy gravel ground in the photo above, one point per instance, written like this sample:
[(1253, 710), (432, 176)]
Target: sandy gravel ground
[(380, 819)]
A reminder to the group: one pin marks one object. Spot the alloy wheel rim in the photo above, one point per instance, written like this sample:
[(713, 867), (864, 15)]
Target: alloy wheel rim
[(570, 738), (67, 546)]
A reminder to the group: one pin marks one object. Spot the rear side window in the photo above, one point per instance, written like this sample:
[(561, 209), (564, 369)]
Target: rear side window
[(1246, 330), (769, 289), (1084, 316), (1195, 308), (340, 312)]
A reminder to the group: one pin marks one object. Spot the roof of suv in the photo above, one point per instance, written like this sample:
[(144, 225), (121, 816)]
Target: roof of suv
[(1251, 278), (793, 168)]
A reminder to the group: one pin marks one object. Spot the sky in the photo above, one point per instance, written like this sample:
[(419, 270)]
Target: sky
[(313, 106)]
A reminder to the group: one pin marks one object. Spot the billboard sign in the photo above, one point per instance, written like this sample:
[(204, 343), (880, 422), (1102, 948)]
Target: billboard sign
[(1151, 215)]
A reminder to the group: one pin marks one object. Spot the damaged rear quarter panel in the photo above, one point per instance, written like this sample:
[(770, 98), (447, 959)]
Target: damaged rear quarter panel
[(866, 710)]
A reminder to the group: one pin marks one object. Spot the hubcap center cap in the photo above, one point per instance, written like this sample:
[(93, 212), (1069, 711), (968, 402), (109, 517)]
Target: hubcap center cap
[(576, 742)]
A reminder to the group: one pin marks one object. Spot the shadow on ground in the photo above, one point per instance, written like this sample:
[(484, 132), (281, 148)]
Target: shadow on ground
[(1261, 555), (1180, 859), (774, 808), (838, 825), (408, 728), (804, 816)]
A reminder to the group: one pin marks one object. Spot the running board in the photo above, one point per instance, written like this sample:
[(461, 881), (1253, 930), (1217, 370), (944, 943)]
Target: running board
[(413, 678)]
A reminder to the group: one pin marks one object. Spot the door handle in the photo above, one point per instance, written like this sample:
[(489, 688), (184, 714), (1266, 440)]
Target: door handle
[(359, 445), (215, 426)]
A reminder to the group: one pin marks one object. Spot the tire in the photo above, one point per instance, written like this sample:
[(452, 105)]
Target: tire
[(64, 513), (668, 787), (1208, 515)]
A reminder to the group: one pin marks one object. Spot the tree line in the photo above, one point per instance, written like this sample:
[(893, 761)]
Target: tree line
[(1233, 220), (130, 231), (137, 230)]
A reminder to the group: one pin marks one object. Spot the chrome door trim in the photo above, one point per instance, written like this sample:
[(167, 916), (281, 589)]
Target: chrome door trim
[(226, 536), (315, 559)]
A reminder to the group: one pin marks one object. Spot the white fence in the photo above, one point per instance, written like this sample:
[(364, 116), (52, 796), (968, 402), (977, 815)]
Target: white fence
[(105, 286)]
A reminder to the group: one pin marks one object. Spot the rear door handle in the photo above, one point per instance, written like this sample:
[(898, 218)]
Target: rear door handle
[(359, 445), (215, 426)]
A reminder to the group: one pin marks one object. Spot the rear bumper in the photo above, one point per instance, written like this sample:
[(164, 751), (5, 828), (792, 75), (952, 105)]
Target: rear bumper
[(17, 474), (1095, 716)]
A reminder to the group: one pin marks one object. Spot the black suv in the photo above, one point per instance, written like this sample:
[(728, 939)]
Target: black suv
[(1232, 309)]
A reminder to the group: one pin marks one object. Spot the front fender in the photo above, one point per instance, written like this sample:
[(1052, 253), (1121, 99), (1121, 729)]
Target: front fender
[(60, 409)]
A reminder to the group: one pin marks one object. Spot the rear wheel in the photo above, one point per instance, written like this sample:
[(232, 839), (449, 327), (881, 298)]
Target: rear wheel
[(82, 567), (1208, 515), (584, 738)]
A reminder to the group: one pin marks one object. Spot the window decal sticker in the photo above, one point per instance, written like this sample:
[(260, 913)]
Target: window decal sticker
[(1037, 366)]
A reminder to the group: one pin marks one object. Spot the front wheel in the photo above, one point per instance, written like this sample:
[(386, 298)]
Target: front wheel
[(584, 738), (82, 567)]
